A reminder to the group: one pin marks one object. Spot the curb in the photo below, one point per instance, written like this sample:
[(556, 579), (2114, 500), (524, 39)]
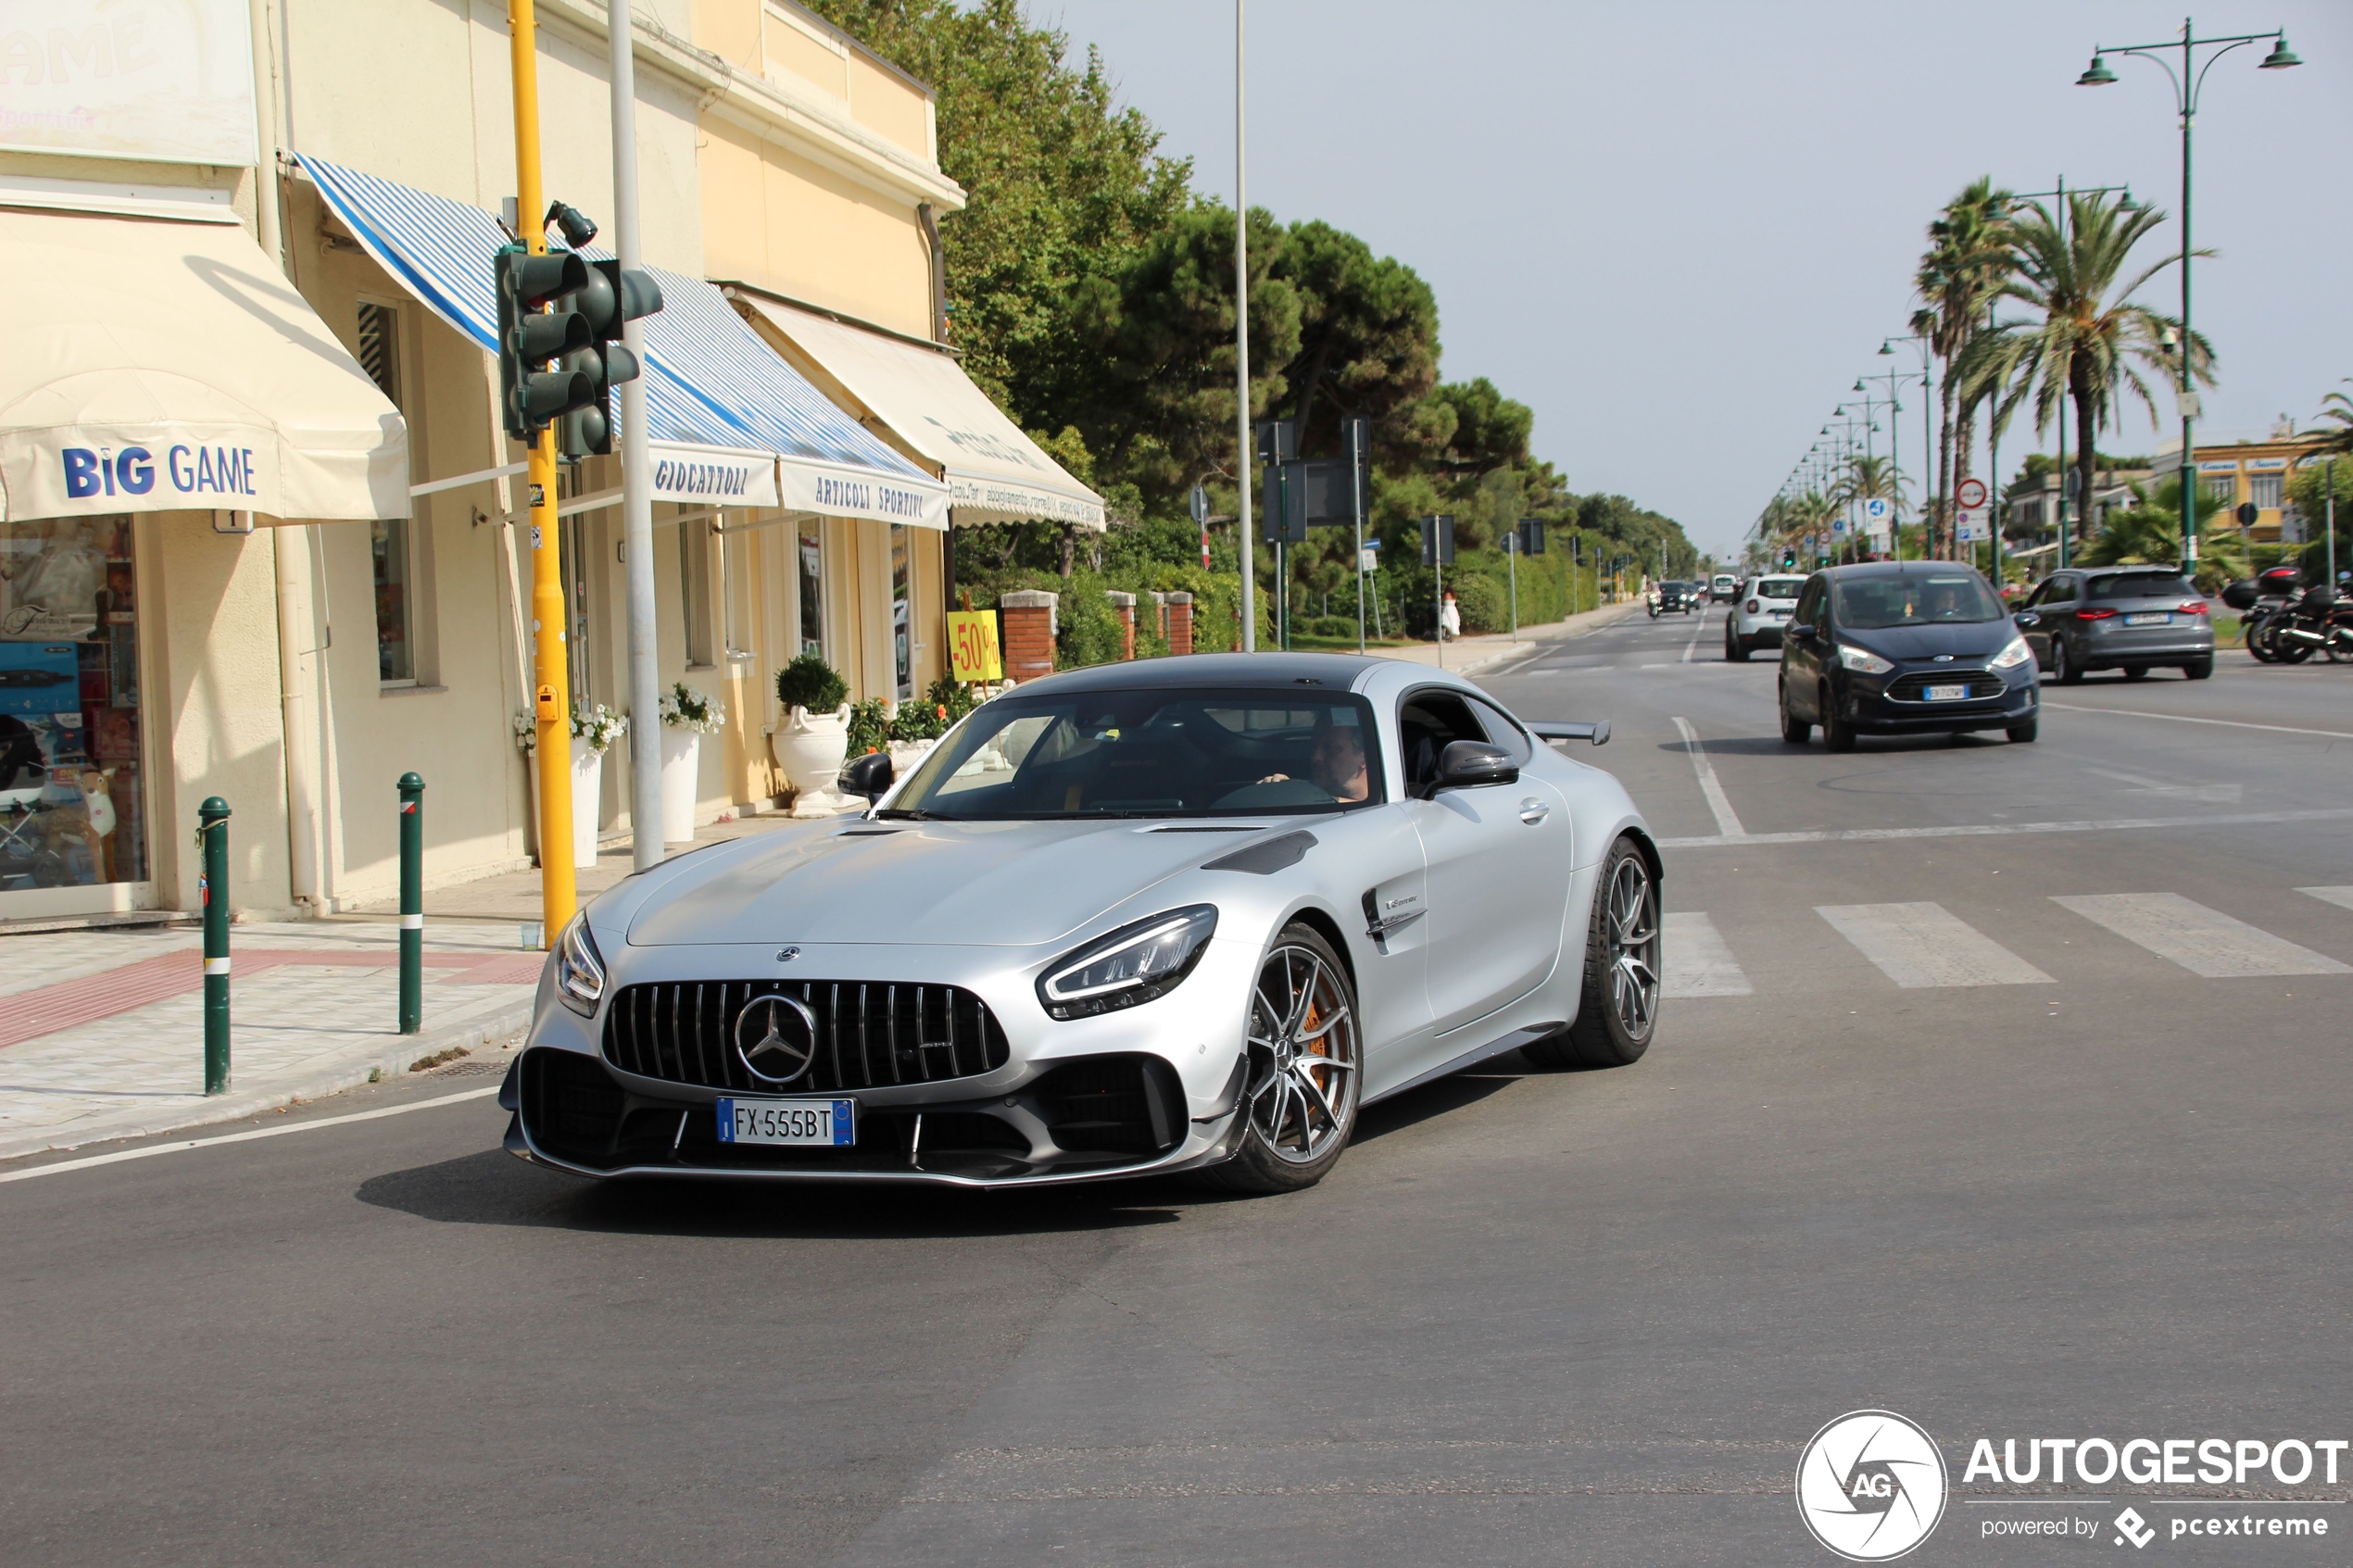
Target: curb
[(387, 1062), (1601, 617)]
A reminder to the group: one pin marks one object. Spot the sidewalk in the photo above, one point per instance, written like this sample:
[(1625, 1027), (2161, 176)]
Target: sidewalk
[(1467, 655)]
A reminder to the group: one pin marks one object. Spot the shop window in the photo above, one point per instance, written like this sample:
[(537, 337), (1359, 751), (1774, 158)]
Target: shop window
[(902, 592), (694, 590), (389, 539), (71, 795), (812, 590), (2222, 487), (2263, 489)]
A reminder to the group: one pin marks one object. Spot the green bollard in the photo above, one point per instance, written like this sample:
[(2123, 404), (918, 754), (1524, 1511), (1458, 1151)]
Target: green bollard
[(212, 886), (413, 903)]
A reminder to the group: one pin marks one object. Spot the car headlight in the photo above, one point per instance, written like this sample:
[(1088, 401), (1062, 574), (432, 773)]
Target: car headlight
[(2015, 653), (1863, 659), (1132, 965), (580, 969)]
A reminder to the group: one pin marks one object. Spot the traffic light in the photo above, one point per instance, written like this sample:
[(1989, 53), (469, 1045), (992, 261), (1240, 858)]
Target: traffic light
[(1789, 559), (531, 396), (606, 301)]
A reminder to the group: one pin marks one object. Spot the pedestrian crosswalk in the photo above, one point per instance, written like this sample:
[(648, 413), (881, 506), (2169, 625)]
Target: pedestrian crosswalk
[(1925, 945)]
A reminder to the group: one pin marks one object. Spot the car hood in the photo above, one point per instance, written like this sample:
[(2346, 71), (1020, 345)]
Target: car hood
[(1010, 885), (1969, 639)]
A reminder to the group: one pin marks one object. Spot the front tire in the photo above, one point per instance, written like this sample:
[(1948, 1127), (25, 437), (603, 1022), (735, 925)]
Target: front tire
[(1837, 733), (1304, 1056), (1617, 1011), (2023, 734), (1794, 731)]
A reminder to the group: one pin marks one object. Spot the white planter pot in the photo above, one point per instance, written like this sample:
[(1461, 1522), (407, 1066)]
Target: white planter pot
[(811, 747), (680, 779), (587, 798)]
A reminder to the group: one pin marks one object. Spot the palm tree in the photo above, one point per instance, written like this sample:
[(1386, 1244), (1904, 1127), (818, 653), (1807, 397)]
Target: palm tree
[(1967, 261), (2341, 438), (2092, 341), (1868, 479), (2149, 534)]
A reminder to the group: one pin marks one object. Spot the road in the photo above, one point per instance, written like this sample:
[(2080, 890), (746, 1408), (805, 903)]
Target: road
[(1939, 1123)]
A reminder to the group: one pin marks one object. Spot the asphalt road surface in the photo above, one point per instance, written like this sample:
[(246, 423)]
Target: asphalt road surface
[(2002, 1087)]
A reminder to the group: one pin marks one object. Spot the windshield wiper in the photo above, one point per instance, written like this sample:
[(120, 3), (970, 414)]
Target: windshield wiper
[(914, 814)]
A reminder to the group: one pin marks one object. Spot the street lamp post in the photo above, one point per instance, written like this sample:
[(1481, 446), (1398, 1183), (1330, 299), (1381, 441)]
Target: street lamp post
[(1894, 439), (2188, 84), (1928, 437)]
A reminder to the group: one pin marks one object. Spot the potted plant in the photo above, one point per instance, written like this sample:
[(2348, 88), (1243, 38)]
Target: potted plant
[(593, 733), (687, 715), (813, 736)]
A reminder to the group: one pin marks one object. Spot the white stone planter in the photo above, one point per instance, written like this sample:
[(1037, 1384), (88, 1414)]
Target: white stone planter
[(681, 781), (811, 747), (587, 798)]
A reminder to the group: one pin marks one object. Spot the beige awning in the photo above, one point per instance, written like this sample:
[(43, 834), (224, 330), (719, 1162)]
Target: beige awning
[(921, 397), (161, 365)]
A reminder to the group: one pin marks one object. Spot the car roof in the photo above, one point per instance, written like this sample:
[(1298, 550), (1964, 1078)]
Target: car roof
[(1894, 568), (1335, 671)]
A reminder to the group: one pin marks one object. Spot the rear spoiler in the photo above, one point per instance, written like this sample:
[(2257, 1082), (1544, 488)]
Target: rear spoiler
[(1597, 732)]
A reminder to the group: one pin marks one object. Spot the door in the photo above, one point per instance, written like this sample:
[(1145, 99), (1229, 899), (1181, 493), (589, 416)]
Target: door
[(2053, 603), (1385, 906), (1801, 657), (1495, 909)]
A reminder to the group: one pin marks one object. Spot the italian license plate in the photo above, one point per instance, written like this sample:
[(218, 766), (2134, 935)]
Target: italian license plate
[(819, 1124), (1947, 693), (2149, 618)]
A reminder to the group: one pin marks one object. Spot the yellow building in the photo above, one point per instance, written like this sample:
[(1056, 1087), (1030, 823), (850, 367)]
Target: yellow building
[(2239, 472)]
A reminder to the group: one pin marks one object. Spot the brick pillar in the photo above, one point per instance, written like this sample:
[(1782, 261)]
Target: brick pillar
[(1180, 622), (1029, 630), (1159, 614), (1123, 605)]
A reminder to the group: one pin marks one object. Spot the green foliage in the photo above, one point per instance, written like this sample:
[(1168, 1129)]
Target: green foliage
[(869, 726), (809, 682), (2149, 534)]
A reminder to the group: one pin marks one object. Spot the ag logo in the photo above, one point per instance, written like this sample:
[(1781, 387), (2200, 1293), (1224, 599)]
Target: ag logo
[(1870, 1485), (777, 1039)]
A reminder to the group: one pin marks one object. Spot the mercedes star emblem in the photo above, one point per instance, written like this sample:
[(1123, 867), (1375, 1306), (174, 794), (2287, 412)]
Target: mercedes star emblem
[(777, 1039), (786, 955)]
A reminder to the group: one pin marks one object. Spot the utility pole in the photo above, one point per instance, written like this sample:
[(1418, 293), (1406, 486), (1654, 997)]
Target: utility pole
[(636, 472), (1242, 337), (551, 704)]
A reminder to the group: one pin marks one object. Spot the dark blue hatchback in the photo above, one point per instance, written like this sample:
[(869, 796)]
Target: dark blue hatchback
[(1903, 648)]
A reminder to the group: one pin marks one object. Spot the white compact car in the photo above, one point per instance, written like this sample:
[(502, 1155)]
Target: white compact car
[(1759, 615), (1176, 915), (1723, 588)]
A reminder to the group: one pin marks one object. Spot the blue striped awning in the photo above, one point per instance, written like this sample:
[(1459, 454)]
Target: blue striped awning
[(716, 395)]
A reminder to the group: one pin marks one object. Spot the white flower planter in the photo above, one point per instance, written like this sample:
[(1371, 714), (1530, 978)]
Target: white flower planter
[(811, 747), (680, 779), (587, 798)]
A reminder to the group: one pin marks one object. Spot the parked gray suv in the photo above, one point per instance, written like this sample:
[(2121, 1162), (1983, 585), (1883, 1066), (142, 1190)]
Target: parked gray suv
[(2127, 618)]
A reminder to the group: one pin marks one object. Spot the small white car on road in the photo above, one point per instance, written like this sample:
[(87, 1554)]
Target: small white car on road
[(1723, 587), (1759, 615)]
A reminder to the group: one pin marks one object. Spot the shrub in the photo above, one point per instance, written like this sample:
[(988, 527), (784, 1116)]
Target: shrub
[(869, 726), (809, 682)]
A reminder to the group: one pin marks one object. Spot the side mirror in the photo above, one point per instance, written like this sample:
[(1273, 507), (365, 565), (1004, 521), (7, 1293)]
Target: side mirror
[(870, 775), (1803, 631), (2027, 620), (1467, 764)]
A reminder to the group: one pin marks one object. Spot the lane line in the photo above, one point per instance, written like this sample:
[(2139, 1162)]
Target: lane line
[(2341, 896), (1698, 963), (1691, 646), (1922, 946), (153, 1150), (2206, 942), (2186, 719), (1727, 822), (1998, 830)]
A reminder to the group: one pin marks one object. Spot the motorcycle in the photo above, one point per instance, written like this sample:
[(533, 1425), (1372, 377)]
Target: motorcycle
[(2321, 621), (2258, 600)]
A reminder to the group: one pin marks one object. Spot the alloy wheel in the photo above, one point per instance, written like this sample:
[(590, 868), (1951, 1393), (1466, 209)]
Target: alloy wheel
[(1303, 1056), (1629, 930)]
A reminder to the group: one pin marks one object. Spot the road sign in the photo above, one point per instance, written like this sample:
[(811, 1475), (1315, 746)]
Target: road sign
[(1966, 526), (2246, 514), (1838, 525), (1370, 561), (1200, 506), (1438, 540), (1877, 510), (1970, 493)]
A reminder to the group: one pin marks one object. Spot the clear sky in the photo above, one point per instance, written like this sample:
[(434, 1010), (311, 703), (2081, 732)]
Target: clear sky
[(1678, 231)]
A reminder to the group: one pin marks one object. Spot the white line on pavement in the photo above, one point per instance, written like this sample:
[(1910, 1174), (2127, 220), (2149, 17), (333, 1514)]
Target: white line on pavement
[(1726, 821), (1694, 644), (1919, 945), (2203, 941), (2341, 896), (1698, 963), (153, 1150), (1998, 830), (2186, 719)]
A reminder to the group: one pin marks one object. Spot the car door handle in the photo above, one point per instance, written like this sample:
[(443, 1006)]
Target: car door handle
[(1532, 811)]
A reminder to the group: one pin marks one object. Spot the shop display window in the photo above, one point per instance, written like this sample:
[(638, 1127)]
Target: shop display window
[(70, 788)]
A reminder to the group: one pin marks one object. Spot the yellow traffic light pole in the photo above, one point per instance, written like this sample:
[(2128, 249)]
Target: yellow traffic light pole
[(551, 706)]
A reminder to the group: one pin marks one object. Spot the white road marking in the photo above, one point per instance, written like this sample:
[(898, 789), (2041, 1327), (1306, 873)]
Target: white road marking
[(1698, 963), (2341, 896), (1998, 830), (2204, 941), (1919, 946), (153, 1150), (1691, 647), (2186, 719), (2213, 794), (1727, 822)]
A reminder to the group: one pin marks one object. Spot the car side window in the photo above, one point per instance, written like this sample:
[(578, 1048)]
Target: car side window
[(1810, 603), (1427, 720), (1504, 731), (2059, 591)]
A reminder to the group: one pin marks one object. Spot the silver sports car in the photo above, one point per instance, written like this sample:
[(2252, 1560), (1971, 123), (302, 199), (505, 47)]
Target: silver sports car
[(1178, 915)]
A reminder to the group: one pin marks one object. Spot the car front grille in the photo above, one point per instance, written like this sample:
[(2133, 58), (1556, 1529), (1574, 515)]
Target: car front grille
[(870, 1035), (1914, 687)]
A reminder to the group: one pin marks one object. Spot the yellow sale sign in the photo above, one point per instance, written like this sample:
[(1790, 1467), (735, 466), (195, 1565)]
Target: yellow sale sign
[(972, 646)]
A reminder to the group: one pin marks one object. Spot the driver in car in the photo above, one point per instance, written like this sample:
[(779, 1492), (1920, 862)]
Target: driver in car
[(1335, 763)]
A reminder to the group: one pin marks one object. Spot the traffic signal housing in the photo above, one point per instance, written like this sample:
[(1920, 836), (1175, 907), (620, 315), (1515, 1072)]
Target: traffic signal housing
[(531, 396), (608, 299)]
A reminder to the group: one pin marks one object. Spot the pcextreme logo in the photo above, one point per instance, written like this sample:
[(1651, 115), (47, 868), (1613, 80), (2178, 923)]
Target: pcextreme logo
[(1870, 1485)]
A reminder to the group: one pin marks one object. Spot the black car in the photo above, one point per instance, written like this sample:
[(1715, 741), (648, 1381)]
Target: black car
[(1684, 596), (2130, 617), (1908, 647)]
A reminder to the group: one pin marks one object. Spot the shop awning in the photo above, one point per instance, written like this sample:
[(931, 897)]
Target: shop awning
[(995, 473), (730, 423), (154, 365)]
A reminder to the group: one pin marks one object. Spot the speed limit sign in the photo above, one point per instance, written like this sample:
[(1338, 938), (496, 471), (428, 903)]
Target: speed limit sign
[(1970, 493)]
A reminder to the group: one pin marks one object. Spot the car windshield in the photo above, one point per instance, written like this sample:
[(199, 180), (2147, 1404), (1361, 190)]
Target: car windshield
[(2141, 585), (1171, 752), (1673, 587), (1778, 587), (1926, 598)]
